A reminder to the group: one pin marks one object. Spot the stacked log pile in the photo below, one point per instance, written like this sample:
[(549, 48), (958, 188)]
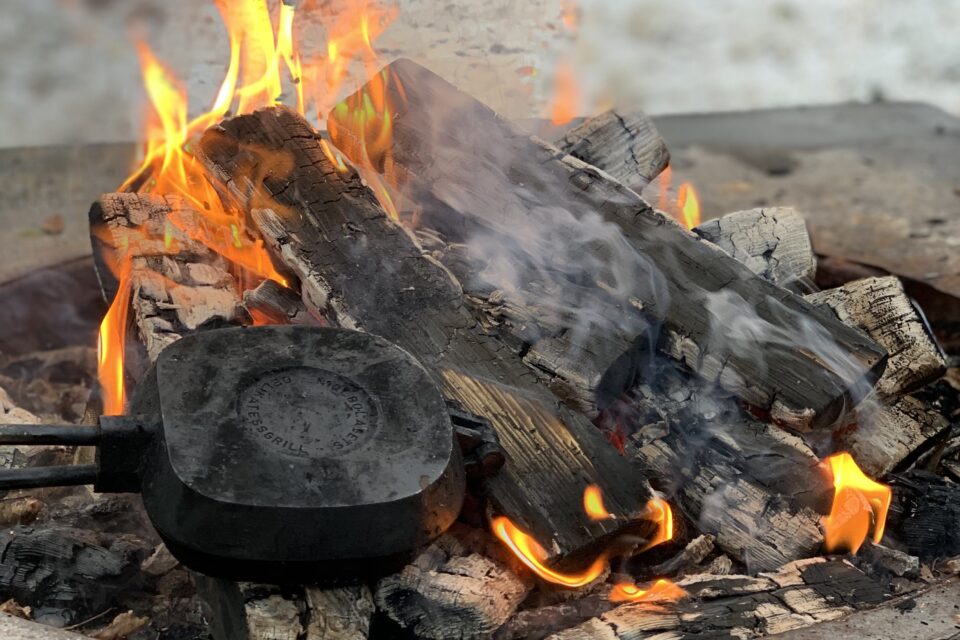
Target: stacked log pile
[(615, 328)]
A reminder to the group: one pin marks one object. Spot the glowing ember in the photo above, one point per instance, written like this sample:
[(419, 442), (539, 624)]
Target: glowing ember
[(262, 58), (593, 503), (858, 502), (533, 555), (689, 205), (660, 591)]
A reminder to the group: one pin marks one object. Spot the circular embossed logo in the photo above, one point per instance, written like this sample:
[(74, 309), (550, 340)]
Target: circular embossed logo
[(308, 412)]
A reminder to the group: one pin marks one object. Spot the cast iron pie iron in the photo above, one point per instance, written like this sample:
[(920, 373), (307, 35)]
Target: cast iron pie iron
[(276, 453)]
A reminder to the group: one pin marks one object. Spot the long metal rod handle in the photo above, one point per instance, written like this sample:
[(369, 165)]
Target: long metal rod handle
[(34, 477), (72, 435)]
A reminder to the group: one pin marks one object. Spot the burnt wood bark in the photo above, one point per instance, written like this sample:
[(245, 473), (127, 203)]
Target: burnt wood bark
[(477, 179), (454, 589), (363, 270), (176, 282), (886, 436), (756, 488), (773, 242), (248, 611), (882, 309), (624, 144), (926, 514), (798, 595), (65, 574)]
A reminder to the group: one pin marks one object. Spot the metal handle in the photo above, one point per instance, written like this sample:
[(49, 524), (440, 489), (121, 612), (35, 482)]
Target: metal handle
[(49, 434), (71, 435), (34, 477)]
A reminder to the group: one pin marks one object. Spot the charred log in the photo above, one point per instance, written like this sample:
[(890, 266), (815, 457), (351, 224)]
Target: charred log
[(360, 269), (272, 303), (247, 611), (773, 242), (64, 574), (453, 589), (884, 438), (624, 144), (753, 486), (464, 167), (926, 514), (176, 283), (798, 595), (882, 309)]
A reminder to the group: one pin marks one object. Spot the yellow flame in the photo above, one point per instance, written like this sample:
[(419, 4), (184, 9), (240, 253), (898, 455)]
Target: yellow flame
[(533, 555), (660, 591), (858, 502), (593, 503), (689, 205)]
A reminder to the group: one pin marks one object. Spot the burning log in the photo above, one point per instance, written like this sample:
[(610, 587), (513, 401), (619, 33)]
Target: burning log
[(773, 242), (453, 589), (360, 269), (625, 145), (478, 179), (882, 309), (176, 282), (798, 595)]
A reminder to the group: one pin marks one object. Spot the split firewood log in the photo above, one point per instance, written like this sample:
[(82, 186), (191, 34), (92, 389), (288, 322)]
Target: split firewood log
[(882, 309), (176, 282), (797, 595), (360, 269), (558, 223), (773, 242), (624, 144), (886, 436)]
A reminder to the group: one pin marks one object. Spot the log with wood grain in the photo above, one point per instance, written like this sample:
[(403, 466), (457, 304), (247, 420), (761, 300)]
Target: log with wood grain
[(479, 180)]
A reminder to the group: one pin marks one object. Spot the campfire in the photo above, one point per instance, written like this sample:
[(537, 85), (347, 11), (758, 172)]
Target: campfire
[(391, 363)]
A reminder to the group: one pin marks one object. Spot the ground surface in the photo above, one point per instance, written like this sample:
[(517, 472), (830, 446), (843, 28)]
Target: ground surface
[(69, 72)]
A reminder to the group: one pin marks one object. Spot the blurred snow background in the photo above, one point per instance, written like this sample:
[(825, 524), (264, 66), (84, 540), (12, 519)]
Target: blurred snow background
[(69, 72)]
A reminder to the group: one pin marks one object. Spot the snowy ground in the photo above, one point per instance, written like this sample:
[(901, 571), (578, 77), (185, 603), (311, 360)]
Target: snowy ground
[(68, 73)]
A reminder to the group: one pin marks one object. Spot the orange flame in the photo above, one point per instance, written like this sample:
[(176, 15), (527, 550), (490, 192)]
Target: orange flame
[(110, 347), (659, 511), (660, 591), (858, 502), (566, 95), (689, 205), (254, 78), (533, 555), (593, 503)]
